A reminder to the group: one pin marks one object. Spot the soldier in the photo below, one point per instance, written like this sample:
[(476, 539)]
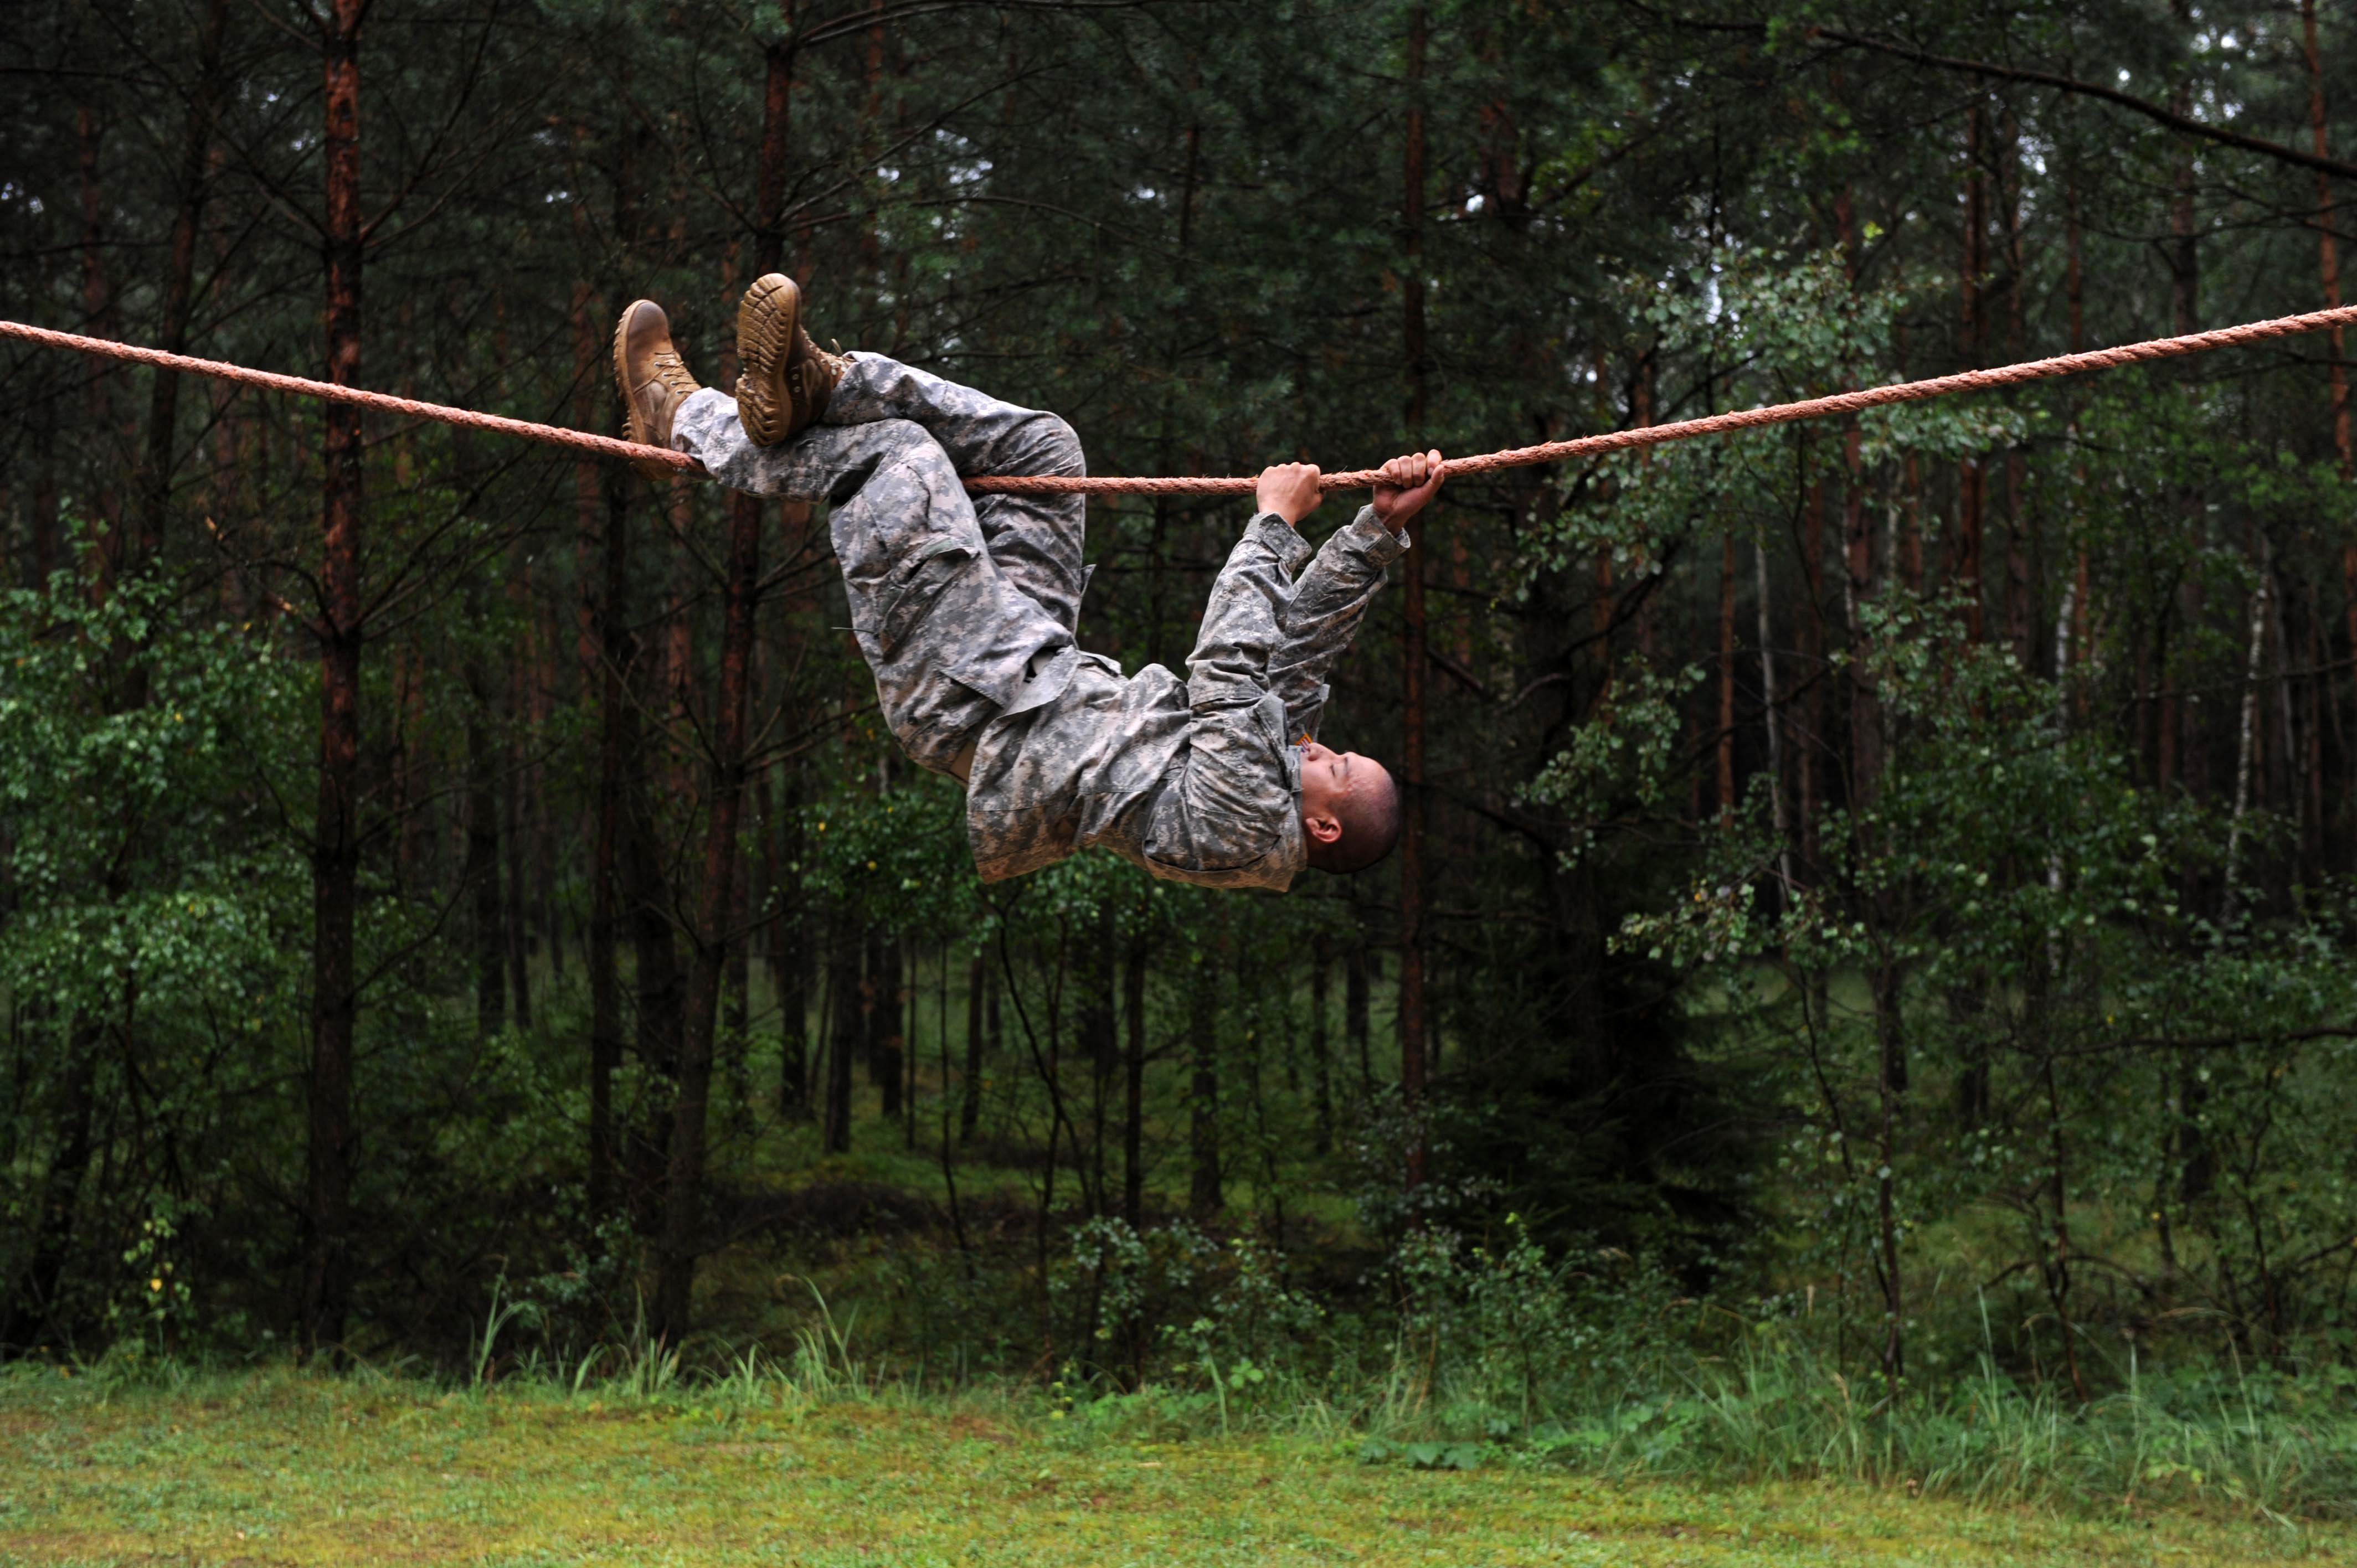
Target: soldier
[(965, 609)]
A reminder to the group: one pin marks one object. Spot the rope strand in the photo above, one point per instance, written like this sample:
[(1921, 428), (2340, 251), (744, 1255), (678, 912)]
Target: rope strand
[(1353, 479)]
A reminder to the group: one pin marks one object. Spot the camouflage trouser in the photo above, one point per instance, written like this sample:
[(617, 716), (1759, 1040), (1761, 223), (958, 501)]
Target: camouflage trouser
[(965, 607)]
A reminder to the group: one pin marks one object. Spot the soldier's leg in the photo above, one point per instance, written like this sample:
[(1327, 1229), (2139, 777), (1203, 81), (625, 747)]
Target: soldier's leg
[(951, 641), (823, 464), (1035, 540)]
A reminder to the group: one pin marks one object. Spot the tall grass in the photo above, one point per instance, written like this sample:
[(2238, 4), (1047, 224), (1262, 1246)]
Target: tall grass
[(1777, 1409), (1773, 1407), (1781, 1411)]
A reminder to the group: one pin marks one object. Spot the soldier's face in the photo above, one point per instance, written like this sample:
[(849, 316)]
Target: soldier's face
[(1328, 779)]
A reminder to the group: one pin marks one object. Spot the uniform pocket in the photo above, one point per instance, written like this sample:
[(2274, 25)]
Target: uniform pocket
[(909, 589), (1268, 715)]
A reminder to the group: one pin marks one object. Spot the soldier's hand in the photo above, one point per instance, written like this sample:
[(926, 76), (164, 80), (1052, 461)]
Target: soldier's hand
[(1288, 490), (1403, 485)]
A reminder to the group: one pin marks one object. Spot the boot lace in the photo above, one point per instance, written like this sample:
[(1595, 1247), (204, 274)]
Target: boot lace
[(672, 371)]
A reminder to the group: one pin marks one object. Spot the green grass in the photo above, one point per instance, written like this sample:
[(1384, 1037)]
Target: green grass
[(278, 1466)]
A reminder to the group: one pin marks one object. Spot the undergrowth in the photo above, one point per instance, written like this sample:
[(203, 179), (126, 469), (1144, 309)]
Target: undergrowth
[(1456, 1356), (2247, 1442)]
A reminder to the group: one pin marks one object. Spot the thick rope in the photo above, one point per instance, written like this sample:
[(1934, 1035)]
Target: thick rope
[(1355, 479), (605, 446)]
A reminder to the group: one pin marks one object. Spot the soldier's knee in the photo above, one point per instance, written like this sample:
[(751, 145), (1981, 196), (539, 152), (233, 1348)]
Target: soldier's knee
[(904, 446), (1055, 447), (899, 437)]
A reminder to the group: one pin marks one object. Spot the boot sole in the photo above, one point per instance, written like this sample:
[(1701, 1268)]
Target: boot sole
[(765, 336)]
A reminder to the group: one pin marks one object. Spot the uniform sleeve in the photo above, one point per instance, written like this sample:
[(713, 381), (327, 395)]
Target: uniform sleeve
[(1227, 808), (1322, 616)]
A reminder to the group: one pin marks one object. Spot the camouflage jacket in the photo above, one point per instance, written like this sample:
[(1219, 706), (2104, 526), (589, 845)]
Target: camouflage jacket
[(1197, 781)]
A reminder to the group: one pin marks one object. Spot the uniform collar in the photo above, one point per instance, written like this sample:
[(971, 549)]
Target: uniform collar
[(1293, 851)]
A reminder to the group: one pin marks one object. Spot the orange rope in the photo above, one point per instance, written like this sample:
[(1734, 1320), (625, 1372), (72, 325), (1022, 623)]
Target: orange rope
[(1355, 479), (605, 446)]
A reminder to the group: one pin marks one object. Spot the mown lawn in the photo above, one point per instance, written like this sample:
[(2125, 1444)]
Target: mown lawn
[(282, 1468)]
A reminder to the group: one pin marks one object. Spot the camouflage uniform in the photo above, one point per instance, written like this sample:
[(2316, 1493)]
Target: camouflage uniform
[(965, 609)]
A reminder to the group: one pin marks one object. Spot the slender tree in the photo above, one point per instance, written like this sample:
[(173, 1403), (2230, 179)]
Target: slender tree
[(337, 829), (1414, 894), (684, 1196)]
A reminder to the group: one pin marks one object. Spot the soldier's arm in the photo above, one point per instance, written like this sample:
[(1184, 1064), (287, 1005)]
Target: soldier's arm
[(1327, 604), (1243, 620), (1229, 803), (1322, 617)]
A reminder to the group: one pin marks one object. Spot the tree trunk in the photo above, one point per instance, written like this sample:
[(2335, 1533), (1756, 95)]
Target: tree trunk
[(1809, 637), (2058, 1267), (43, 523), (2246, 731), (1099, 1041), (2197, 1166), (1354, 1012), (1865, 709), (1971, 476), (335, 834), (2184, 256), (172, 327), (2329, 260), (100, 320), (1891, 1084), (789, 953), (660, 1001), (970, 1109), (881, 1005), (683, 1200), (1773, 724), (1322, 1054), (517, 907), (1204, 1199), (33, 1319), (994, 1039), (616, 738), (1414, 891), (1133, 1114), (909, 1048), (948, 1152), (546, 922), (777, 124), (2183, 730), (847, 1035), (789, 970), (1726, 679), (737, 983), (609, 656), (2020, 611), (485, 931)]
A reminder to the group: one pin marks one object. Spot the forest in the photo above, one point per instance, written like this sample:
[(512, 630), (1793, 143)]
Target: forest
[(1875, 896)]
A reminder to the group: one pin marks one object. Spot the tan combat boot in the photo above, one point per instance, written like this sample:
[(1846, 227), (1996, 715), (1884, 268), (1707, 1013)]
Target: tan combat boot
[(787, 378), (654, 379)]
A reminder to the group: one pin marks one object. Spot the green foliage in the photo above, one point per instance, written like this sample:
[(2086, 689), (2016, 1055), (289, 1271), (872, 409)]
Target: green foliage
[(1624, 757), (900, 855), (2016, 908), (149, 870), (153, 902)]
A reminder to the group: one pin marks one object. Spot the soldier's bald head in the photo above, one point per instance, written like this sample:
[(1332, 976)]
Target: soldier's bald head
[(1350, 809)]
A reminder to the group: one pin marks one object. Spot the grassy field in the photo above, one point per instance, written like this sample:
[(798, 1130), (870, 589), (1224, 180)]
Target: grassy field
[(279, 1467)]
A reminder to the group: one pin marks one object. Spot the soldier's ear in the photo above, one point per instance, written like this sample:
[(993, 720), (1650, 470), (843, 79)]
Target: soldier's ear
[(1323, 826)]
